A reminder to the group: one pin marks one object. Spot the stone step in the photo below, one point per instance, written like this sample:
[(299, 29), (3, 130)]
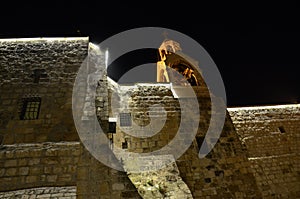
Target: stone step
[(155, 176), (138, 164)]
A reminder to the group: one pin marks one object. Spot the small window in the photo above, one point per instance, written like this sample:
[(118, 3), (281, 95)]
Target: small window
[(124, 145), (112, 127), (281, 129), (125, 119), (30, 108)]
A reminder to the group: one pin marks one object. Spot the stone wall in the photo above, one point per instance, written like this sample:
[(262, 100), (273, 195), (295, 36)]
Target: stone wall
[(257, 155), (54, 123), (140, 99), (224, 173), (56, 59), (68, 192), (161, 183), (271, 136), (95, 179), (37, 165), (45, 68)]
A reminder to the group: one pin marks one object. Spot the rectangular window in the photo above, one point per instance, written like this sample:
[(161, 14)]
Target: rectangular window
[(30, 108), (124, 145), (112, 127), (125, 119)]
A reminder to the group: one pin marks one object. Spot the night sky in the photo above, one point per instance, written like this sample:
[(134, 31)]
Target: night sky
[(258, 61)]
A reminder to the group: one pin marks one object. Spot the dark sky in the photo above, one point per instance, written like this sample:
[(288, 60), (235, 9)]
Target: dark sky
[(258, 61)]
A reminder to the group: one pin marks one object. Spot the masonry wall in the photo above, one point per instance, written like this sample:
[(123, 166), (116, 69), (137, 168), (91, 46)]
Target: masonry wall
[(95, 179), (44, 68), (139, 101), (35, 152), (256, 156), (271, 136), (54, 122), (37, 165), (224, 173)]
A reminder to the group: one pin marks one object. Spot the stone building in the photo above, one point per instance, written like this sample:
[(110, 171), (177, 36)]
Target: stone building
[(43, 155)]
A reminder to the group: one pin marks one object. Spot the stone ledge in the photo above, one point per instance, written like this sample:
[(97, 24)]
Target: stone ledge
[(41, 192), (39, 146)]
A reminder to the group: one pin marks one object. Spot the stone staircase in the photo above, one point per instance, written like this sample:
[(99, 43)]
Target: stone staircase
[(154, 176)]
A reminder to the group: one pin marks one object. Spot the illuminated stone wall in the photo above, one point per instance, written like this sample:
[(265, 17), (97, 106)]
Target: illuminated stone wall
[(139, 98), (224, 173), (66, 192), (37, 165), (34, 153), (257, 155), (43, 68), (271, 136), (96, 180)]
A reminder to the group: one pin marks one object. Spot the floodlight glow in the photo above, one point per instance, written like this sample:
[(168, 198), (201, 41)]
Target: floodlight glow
[(106, 58)]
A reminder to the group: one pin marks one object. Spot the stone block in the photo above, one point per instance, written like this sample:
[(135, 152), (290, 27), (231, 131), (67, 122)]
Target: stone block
[(35, 170), (10, 163), (145, 144), (11, 172), (31, 179), (64, 177), (49, 160), (23, 171), (47, 169), (22, 162), (9, 154), (51, 178), (118, 186), (2, 171), (34, 161), (104, 188)]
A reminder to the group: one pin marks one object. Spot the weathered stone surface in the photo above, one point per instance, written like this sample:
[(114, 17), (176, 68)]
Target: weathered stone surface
[(257, 155), (57, 59), (157, 183), (45, 68), (225, 165), (96, 180), (271, 136), (41, 192), (31, 165), (149, 105)]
